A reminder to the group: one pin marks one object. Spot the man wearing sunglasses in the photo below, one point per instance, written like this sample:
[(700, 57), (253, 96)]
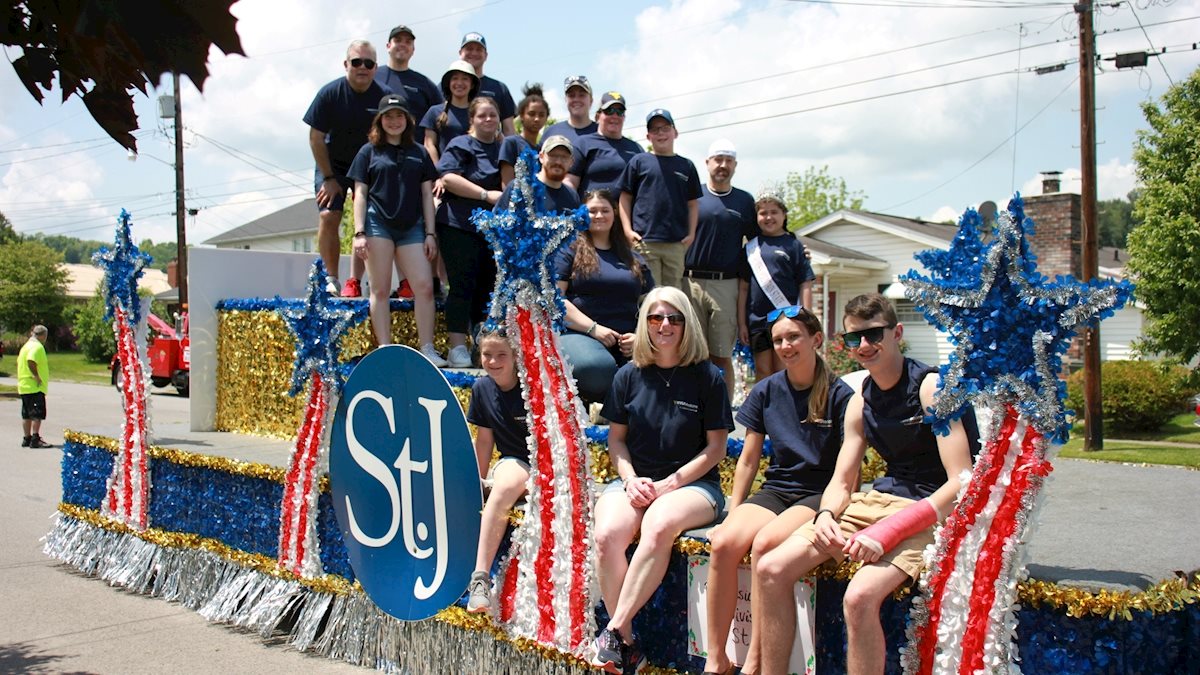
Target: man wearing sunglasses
[(338, 119), (888, 527), (601, 157)]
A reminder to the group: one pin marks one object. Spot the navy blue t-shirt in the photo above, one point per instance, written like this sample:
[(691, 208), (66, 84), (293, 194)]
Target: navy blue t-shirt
[(562, 198), (725, 221), (661, 187), (512, 147), (804, 453), (609, 296), (564, 128), (789, 267), (498, 92), (479, 163), (668, 425), (420, 92), (345, 117), (600, 161), (457, 123), (504, 413), (894, 424), (393, 176)]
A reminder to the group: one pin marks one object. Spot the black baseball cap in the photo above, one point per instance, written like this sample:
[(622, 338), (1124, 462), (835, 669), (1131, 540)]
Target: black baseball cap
[(401, 29)]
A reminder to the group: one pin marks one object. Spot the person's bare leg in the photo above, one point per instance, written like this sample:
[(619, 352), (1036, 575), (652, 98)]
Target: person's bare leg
[(725, 363), (379, 257), (730, 542), (415, 267), (508, 484), (616, 524), (329, 244), (778, 571), (866, 648), (768, 538)]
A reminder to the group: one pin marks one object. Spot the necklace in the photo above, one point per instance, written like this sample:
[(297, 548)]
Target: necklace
[(667, 380), (720, 194)]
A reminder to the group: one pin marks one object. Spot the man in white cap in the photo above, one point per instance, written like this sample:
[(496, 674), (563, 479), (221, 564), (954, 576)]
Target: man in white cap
[(710, 273), (473, 50)]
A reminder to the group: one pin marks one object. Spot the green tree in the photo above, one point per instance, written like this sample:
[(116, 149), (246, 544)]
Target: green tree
[(1164, 249), (93, 334), (1116, 220), (7, 234), (161, 253), (814, 194), (33, 286)]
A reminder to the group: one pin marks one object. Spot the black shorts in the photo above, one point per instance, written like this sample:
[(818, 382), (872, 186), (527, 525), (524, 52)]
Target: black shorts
[(33, 406), (777, 501), (761, 342)]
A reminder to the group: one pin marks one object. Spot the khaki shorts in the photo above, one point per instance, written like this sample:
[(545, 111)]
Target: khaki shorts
[(868, 508), (665, 260), (715, 301)]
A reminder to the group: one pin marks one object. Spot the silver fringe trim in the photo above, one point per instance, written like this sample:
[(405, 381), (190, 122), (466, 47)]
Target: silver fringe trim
[(346, 627)]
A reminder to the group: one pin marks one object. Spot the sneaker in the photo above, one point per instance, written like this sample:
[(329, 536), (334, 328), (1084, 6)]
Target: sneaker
[(25, 442), (610, 649), (403, 291), (351, 289), (430, 353), (459, 357), (331, 286), (633, 657), (480, 593), (36, 441)]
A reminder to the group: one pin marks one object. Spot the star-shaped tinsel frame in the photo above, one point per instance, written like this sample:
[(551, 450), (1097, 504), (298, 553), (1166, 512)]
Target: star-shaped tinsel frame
[(524, 239), (1009, 324), (318, 326), (123, 265)]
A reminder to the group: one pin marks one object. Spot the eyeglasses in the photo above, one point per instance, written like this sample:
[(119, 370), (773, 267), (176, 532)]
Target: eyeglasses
[(791, 312), (615, 112), (656, 320), (660, 129), (874, 335), (363, 63)]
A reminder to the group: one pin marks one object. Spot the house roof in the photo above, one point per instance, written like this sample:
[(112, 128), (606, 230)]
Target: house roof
[(83, 280), (299, 218), (923, 231), (825, 253)]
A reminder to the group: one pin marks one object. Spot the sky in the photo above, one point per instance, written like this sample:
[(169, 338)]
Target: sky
[(926, 107)]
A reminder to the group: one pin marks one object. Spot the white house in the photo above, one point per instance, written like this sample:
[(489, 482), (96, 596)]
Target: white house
[(292, 229)]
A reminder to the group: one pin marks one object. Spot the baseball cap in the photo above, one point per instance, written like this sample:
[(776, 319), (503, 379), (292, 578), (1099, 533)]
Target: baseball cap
[(577, 81), (392, 102), (473, 37), (660, 112), (556, 141), (611, 98), (401, 29), (722, 147)]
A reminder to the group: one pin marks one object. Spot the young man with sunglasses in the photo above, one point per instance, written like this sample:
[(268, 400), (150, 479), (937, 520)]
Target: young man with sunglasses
[(338, 119), (888, 527)]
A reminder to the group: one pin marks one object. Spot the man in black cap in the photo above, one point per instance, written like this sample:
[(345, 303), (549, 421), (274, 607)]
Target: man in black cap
[(473, 50), (420, 92)]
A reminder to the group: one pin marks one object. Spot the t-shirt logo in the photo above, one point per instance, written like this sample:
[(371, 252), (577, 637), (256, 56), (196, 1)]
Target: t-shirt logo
[(686, 405), (735, 213), (784, 255), (682, 176)]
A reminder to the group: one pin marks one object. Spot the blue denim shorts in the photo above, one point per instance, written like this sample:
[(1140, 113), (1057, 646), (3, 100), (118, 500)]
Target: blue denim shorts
[(711, 490), (375, 227)]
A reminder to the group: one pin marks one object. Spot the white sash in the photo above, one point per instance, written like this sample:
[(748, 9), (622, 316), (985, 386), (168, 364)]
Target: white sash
[(763, 276)]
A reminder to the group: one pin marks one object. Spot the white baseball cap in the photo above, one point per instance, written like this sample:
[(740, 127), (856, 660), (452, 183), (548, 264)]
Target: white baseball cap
[(722, 147)]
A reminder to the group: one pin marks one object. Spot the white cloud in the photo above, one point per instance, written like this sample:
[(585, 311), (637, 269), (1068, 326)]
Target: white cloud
[(1114, 180)]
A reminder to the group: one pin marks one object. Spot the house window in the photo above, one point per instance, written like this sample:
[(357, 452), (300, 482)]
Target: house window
[(907, 312)]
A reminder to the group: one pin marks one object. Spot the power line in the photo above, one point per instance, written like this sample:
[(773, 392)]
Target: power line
[(1000, 4), (1150, 43)]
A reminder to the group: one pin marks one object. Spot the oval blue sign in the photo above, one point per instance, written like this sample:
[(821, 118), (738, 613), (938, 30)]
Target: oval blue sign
[(405, 483)]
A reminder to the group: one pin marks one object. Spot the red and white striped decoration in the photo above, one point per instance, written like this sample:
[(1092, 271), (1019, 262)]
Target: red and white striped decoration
[(546, 579), (964, 622), (299, 547), (127, 498)]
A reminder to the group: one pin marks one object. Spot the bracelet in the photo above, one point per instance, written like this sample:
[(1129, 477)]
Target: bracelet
[(818, 516), (592, 329), (360, 233), (483, 195)]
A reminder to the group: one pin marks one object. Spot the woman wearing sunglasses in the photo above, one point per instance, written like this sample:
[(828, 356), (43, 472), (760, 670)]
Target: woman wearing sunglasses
[(669, 419), (600, 158), (801, 409)]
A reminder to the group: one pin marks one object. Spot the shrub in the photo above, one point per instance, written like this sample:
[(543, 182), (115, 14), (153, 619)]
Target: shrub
[(1134, 395), (93, 334)]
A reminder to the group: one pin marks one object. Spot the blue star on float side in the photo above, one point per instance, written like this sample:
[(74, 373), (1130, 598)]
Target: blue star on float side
[(1009, 324), (523, 240), (318, 325), (123, 265)]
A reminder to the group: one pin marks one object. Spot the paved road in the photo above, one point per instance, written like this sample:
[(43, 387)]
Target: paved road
[(1102, 525)]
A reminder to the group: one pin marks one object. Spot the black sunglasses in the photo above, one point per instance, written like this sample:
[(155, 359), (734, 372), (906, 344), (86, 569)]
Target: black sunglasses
[(614, 111), (675, 318), (874, 335), (791, 312), (363, 63)]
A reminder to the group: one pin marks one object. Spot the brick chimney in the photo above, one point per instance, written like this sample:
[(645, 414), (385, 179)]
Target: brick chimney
[(1051, 182), (173, 274), (1059, 232)]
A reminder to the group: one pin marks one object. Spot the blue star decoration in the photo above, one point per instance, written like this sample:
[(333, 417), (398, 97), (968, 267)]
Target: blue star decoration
[(1009, 324), (318, 325), (524, 239), (123, 265)]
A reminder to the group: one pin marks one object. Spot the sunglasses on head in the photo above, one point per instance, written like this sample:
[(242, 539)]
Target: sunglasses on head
[(675, 318), (791, 312), (874, 335), (362, 63)]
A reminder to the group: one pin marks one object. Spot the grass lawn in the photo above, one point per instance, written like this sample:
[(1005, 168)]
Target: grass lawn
[(64, 367), (1179, 430)]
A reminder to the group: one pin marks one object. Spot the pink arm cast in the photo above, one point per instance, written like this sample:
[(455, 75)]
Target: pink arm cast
[(884, 535)]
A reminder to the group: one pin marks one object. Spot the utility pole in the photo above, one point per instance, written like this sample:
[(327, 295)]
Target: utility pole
[(180, 212), (1093, 412)]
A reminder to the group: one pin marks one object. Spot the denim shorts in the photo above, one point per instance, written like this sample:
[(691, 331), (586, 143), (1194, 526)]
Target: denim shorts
[(711, 490), (375, 227)]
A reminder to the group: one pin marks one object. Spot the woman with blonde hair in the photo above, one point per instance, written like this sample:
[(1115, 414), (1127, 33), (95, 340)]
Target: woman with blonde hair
[(669, 420)]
